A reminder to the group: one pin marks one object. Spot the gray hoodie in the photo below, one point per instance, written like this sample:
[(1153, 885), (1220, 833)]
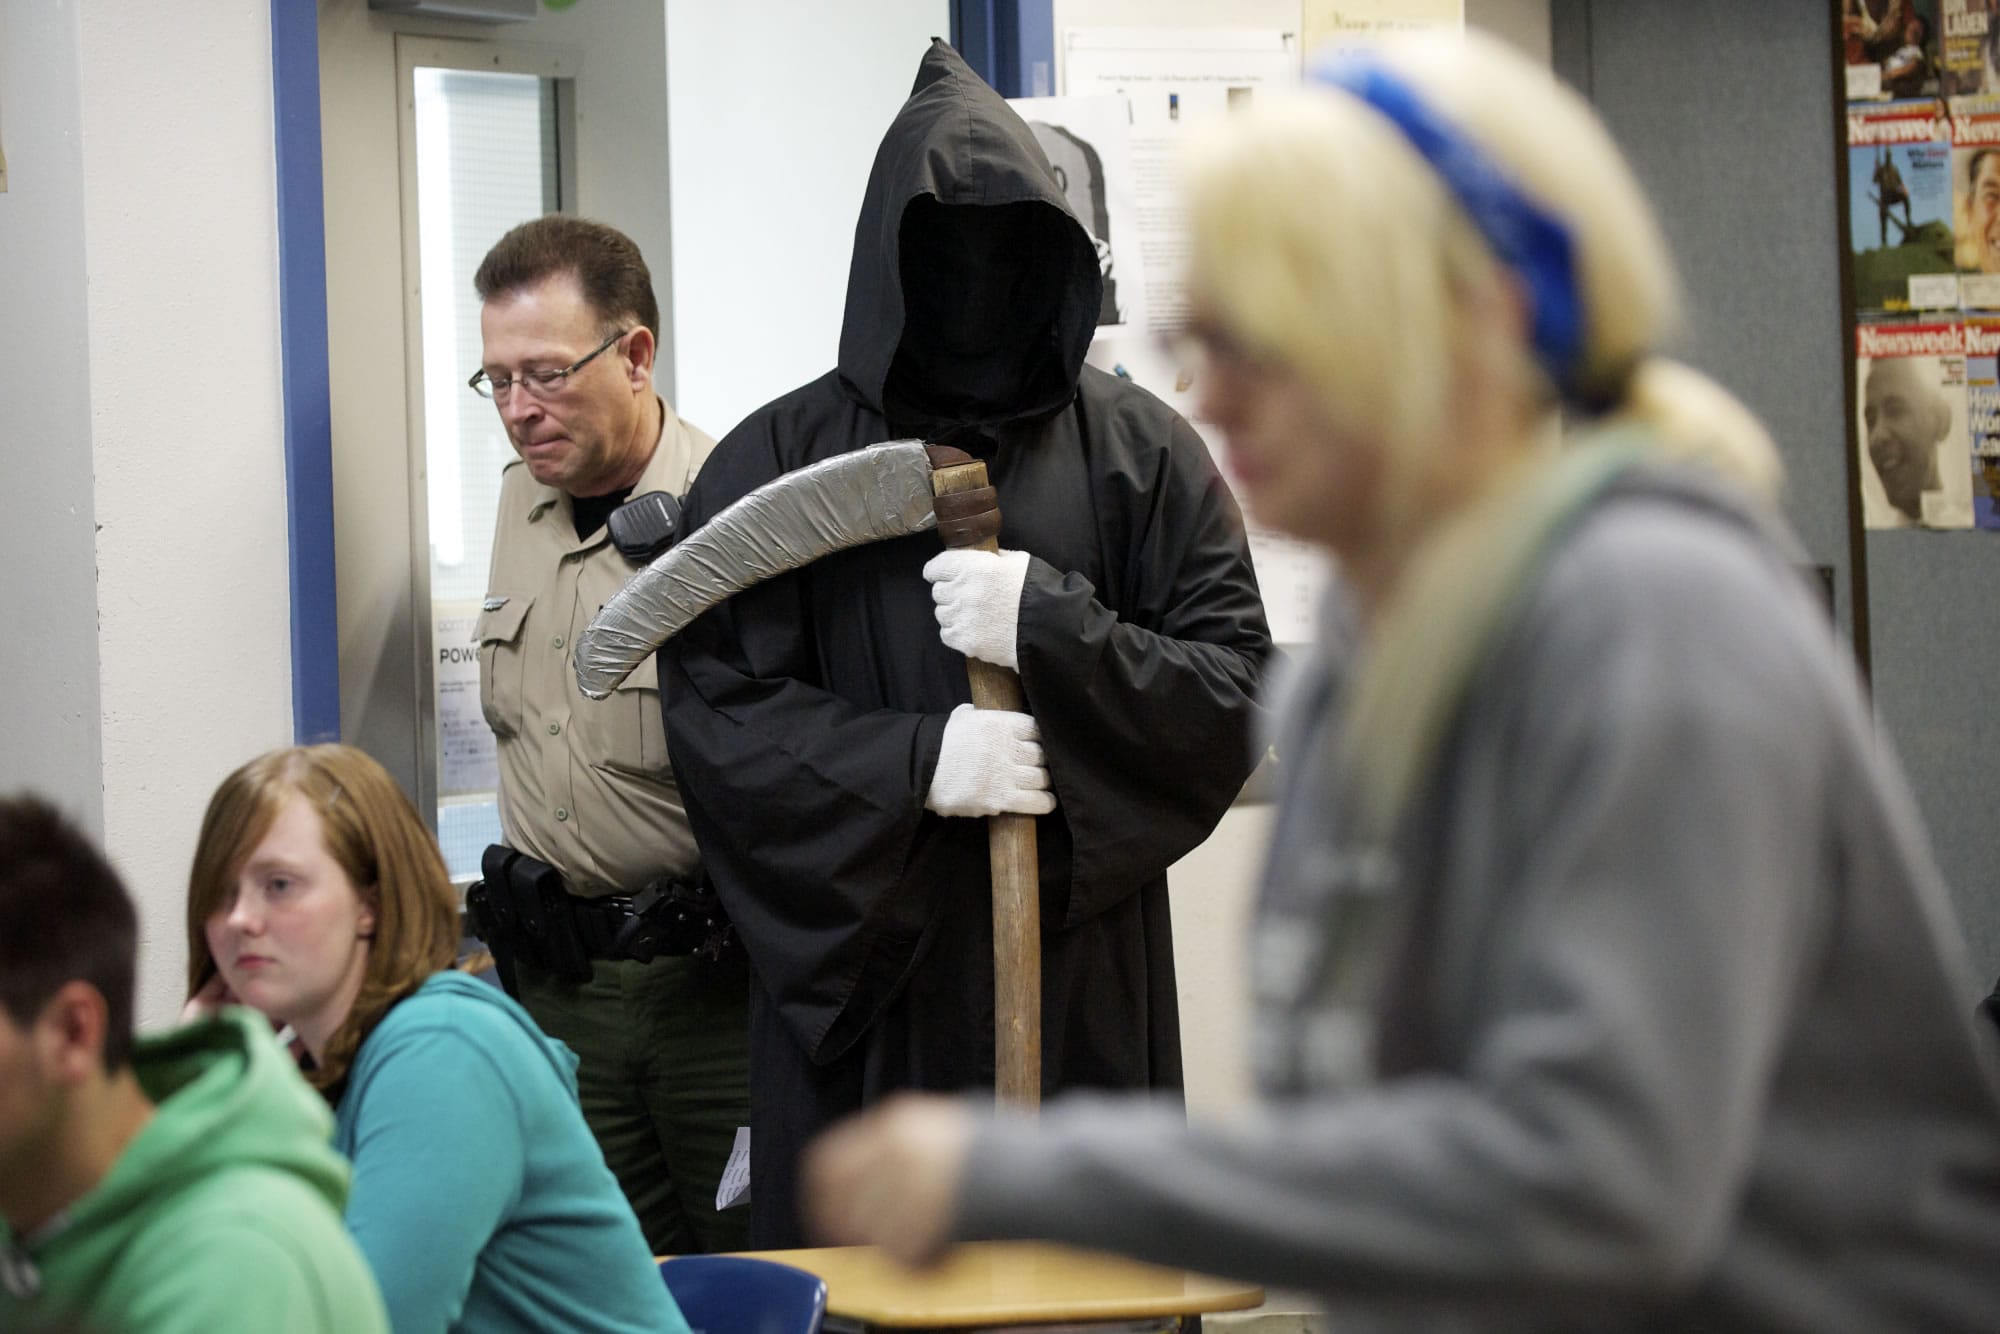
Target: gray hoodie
[(1669, 1027)]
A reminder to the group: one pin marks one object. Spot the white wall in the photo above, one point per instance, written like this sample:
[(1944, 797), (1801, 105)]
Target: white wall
[(48, 591), (194, 609), (775, 109), (1211, 890), (143, 401)]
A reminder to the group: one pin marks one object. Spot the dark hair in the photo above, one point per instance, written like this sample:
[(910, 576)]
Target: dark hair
[(64, 917), (603, 260)]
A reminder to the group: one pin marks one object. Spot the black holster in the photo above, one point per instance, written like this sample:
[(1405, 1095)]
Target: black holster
[(524, 912), (676, 917), (521, 910)]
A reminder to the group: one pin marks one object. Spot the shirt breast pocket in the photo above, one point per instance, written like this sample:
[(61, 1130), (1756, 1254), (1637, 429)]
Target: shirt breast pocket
[(502, 667), (625, 731)]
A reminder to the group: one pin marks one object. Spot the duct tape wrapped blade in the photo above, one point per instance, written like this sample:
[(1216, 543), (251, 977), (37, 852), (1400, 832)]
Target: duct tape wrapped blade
[(865, 495)]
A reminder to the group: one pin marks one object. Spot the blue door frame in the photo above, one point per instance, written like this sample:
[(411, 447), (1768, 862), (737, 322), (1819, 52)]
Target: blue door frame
[(1012, 43), (308, 412)]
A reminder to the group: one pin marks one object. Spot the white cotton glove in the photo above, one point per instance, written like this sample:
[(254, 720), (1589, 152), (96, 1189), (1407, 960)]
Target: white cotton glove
[(978, 596), (990, 763)]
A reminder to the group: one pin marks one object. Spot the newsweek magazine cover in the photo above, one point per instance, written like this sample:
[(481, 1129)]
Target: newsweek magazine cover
[(1982, 414), (1892, 48), (1975, 184), (1986, 490), (1899, 173), (1967, 61), (1910, 425)]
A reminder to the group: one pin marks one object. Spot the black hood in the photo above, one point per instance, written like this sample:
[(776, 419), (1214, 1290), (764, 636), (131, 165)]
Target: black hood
[(960, 185)]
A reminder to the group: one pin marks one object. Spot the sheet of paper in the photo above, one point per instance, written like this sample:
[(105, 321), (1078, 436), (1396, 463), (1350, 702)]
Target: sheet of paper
[(468, 764), (1172, 78), (1329, 21), (734, 1188)]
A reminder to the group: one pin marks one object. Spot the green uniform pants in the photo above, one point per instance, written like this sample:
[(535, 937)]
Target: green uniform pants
[(663, 1073)]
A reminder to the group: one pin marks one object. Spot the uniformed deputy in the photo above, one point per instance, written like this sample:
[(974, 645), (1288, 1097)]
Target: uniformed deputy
[(569, 327)]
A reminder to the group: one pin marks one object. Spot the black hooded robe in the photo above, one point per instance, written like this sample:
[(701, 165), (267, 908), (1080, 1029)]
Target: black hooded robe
[(804, 716)]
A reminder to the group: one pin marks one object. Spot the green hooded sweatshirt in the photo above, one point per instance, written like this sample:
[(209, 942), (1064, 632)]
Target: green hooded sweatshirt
[(223, 1214)]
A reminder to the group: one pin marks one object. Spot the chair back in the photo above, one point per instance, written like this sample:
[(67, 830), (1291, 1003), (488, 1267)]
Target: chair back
[(739, 1294)]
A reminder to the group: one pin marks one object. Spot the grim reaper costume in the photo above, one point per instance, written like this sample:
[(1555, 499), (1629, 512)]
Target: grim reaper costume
[(804, 717)]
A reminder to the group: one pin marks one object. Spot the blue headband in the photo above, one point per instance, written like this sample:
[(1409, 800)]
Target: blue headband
[(1524, 236)]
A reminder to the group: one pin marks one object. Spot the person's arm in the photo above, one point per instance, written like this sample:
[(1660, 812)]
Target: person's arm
[(1905, 63), (1148, 711), (1658, 891), (1657, 873), (438, 1160)]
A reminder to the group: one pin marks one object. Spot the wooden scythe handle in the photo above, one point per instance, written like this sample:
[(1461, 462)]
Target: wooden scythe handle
[(969, 516)]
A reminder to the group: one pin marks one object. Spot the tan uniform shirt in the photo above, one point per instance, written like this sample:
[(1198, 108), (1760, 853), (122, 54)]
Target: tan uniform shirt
[(584, 784)]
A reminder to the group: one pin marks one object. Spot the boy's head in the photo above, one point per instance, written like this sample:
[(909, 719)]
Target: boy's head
[(67, 927), (67, 938)]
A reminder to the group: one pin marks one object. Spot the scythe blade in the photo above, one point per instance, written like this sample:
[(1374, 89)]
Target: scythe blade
[(865, 495)]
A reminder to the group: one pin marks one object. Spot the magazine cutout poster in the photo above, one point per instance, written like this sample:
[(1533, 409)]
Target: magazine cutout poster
[(1982, 414), (1910, 426), (1975, 183), (1892, 48), (1968, 63), (1900, 208)]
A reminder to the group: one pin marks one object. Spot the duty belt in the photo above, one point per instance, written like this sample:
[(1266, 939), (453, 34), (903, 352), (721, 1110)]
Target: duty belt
[(523, 910), (666, 917)]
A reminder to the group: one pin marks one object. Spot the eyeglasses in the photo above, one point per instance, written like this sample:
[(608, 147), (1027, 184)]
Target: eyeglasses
[(542, 384)]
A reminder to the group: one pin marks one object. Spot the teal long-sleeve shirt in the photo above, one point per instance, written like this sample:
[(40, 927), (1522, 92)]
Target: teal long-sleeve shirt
[(479, 1197)]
